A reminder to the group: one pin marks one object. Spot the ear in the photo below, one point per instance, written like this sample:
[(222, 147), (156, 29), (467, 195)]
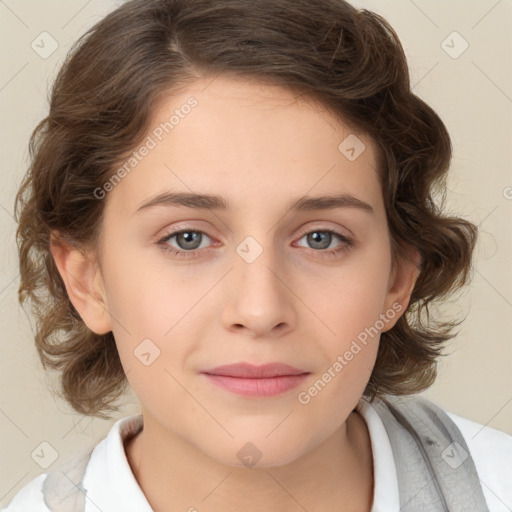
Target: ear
[(84, 283), (403, 277)]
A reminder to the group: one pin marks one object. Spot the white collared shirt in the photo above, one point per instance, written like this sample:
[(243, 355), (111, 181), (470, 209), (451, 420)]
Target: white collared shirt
[(112, 487)]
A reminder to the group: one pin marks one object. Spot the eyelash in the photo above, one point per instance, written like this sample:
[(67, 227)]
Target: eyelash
[(330, 253)]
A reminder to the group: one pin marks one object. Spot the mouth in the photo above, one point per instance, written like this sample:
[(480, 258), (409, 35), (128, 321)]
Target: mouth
[(258, 381), (250, 371)]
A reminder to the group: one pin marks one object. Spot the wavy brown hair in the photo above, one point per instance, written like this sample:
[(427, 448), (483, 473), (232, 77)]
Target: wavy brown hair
[(349, 60)]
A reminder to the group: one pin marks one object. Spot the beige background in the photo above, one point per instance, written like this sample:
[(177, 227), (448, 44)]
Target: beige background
[(473, 95)]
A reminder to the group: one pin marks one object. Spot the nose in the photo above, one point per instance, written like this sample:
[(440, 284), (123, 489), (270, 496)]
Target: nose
[(259, 295)]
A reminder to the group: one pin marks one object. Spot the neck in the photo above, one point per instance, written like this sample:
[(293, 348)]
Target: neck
[(171, 471)]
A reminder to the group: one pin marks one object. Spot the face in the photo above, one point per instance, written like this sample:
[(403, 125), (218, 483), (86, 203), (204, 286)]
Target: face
[(191, 285)]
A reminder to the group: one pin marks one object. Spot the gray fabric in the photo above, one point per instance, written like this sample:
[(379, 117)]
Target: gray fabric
[(435, 469), (62, 488)]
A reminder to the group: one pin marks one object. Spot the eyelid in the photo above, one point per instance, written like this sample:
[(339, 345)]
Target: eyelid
[(321, 226), (180, 227)]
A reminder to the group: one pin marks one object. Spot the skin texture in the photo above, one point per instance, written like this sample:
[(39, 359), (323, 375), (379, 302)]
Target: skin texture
[(260, 148)]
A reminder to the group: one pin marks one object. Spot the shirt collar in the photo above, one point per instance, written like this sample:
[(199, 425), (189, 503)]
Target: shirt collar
[(111, 484)]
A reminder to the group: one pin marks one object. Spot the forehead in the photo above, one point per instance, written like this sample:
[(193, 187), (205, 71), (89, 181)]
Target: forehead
[(246, 141)]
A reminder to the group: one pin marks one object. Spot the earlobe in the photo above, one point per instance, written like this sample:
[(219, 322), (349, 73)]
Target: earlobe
[(402, 282), (84, 284)]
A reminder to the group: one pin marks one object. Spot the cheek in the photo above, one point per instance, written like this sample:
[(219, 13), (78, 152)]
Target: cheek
[(348, 337), (351, 308), (147, 300), (153, 312), (354, 293)]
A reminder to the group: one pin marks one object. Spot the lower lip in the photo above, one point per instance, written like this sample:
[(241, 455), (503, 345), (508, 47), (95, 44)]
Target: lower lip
[(257, 387)]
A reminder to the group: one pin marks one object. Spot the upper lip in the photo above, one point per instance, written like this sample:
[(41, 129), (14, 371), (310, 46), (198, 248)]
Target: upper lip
[(249, 371)]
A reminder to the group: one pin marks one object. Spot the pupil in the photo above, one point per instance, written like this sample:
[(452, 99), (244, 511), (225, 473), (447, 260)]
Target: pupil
[(317, 238), (188, 238)]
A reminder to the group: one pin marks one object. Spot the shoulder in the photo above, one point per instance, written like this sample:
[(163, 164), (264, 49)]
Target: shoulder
[(491, 450), (58, 490), (94, 471), (29, 497)]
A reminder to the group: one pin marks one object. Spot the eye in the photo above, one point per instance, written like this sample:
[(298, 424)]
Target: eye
[(321, 239), (188, 240)]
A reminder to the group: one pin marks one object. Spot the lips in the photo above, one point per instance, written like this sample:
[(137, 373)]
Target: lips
[(249, 371), (263, 381)]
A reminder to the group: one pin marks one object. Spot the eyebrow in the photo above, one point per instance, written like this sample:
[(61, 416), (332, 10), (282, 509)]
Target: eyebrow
[(214, 202)]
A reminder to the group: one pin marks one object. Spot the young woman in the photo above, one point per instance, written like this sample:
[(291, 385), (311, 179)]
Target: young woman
[(230, 206)]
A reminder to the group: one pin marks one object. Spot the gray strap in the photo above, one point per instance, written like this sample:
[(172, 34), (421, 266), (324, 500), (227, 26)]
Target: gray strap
[(62, 487), (434, 466)]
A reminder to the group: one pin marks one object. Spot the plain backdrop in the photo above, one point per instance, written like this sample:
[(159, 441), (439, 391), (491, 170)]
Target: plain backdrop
[(459, 55)]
